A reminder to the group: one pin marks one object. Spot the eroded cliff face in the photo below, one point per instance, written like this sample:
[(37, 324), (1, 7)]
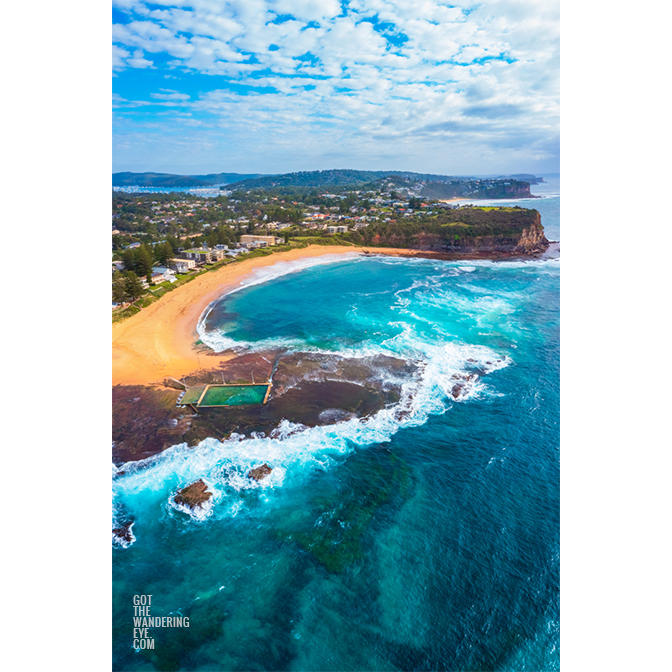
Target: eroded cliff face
[(531, 240)]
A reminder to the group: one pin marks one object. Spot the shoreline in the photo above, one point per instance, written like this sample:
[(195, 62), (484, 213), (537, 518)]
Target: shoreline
[(159, 341)]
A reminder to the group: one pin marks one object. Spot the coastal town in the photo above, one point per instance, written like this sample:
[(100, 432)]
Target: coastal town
[(163, 240)]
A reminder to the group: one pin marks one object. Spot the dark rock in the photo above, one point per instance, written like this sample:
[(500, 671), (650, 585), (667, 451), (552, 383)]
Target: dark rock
[(124, 535), (332, 415), (260, 472), (193, 495), (145, 421)]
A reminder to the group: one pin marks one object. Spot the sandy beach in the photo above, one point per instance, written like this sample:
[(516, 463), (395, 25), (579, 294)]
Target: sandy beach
[(158, 341)]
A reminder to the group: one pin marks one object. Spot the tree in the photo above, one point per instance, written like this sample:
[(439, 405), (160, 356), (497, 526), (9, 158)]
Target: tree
[(164, 253), (119, 291), (129, 257), (133, 285), (145, 262)]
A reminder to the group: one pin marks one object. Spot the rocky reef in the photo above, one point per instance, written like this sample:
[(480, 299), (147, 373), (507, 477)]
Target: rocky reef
[(123, 535), (260, 472), (194, 495), (308, 388)]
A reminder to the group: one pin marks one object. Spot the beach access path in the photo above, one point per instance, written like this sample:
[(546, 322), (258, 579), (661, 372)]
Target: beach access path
[(159, 341)]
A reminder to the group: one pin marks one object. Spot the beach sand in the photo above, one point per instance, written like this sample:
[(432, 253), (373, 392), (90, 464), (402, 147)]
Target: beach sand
[(159, 340)]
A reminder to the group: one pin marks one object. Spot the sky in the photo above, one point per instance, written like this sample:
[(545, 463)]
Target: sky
[(273, 86)]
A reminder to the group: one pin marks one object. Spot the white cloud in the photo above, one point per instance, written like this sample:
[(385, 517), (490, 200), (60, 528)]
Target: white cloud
[(138, 60), (170, 95), (415, 69), (307, 10), (118, 57)]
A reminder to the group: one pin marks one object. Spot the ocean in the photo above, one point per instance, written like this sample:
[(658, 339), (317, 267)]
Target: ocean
[(422, 537)]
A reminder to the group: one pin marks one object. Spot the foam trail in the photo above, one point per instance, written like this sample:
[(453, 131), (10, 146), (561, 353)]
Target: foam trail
[(260, 276), (294, 451)]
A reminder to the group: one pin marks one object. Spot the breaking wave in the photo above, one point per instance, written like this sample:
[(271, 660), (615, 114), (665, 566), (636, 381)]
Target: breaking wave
[(294, 450)]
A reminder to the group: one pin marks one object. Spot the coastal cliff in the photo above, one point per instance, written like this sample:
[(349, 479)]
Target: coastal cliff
[(472, 231), (532, 240)]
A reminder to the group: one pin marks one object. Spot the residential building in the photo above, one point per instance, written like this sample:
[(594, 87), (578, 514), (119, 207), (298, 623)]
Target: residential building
[(167, 274), (199, 255), (337, 229), (218, 252), (182, 265), (268, 240)]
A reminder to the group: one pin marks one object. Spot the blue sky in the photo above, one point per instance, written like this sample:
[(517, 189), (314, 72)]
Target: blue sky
[(273, 86)]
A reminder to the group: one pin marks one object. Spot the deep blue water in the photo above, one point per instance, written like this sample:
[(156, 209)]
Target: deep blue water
[(423, 538)]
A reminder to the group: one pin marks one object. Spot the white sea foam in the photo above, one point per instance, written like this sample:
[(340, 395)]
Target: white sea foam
[(218, 342), (294, 451), (448, 371), (123, 543), (200, 512), (435, 295)]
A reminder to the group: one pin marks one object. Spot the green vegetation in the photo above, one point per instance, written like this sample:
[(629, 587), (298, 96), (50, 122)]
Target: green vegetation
[(152, 294), (380, 209)]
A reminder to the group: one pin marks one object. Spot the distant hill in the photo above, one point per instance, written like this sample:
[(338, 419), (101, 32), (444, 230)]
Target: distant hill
[(437, 186), (332, 178), (490, 188), (169, 180)]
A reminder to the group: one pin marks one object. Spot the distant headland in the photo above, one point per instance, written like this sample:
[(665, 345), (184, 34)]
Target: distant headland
[(428, 185)]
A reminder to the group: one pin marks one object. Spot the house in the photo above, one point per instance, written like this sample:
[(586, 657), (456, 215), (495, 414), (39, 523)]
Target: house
[(199, 255), (182, 265), (337, 229), (219, 252), (166, 273), (236, 252), (267, 240)]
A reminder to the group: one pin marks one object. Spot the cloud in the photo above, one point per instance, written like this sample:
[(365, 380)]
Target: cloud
[(119, 56), (170, 95), (374, 69)]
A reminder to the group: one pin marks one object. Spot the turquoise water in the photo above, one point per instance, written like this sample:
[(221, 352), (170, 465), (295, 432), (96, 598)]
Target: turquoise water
[(424, 537)]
